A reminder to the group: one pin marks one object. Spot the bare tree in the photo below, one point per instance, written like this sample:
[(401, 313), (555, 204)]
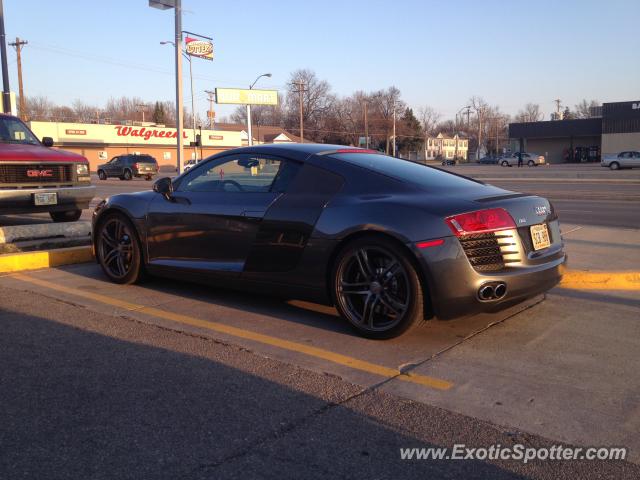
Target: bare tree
[(38, 108), (317, 100), (84, 112), (429, 119), (483, 112), (583, 109), (386, 103), (530, 113)]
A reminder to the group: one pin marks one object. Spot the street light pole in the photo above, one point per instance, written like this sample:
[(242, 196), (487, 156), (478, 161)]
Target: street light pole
[(249, 126), (179, 103), (6, 91)]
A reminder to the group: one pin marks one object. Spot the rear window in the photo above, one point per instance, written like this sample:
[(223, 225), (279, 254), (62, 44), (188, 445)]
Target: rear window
[(422, 175), (144, 159)]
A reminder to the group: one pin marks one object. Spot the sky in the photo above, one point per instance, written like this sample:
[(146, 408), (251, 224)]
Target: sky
[(437, 53)]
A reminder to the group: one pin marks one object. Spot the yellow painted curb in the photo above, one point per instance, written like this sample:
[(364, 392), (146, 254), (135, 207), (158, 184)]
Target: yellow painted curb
[(17, 262), (585, 280)]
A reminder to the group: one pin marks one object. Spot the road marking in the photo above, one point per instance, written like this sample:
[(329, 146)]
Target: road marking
[(570, 231), (316, 352), (585, 280)]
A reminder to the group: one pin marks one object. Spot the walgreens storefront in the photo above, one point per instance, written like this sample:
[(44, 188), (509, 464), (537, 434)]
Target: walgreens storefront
[(100, 143)]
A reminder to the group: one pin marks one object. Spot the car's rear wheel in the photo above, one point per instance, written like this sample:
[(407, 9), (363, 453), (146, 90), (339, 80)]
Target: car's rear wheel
[(505, 163), (102, 175), (531, 163), (376, 288), (127, 175), (118, 249), (614, 166), (68, 216)]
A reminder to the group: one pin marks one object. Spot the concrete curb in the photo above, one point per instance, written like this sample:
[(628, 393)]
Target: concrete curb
[(19, 233), (18, 262), (585, 280)]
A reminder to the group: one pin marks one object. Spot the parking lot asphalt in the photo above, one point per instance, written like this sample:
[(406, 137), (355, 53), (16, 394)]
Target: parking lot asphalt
[(197, 382)]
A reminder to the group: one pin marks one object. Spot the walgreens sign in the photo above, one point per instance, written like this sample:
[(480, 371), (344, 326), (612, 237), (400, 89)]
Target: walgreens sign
[(147, 134)]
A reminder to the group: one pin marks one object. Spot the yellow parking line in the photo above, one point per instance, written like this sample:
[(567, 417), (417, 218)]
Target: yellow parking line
[(316, 352), (585, 280)]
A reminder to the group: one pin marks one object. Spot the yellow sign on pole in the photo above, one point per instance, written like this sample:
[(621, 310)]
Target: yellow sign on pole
[(245, 96)]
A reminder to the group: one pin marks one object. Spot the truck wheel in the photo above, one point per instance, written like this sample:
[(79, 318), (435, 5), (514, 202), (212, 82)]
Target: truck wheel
[(102, 175), (68, 216), (127, 175)]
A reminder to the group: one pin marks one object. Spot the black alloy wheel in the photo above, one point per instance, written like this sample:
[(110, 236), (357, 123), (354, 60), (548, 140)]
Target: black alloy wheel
[(118, 250), (377, 289)]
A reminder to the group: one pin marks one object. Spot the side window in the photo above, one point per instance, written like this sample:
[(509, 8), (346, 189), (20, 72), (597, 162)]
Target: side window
[(242, 173)]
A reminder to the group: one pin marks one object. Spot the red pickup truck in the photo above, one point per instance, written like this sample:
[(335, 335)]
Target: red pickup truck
[(35, 178)]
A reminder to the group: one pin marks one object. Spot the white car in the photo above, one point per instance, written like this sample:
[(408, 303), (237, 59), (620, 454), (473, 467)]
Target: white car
[(529, 159), (630, 159)]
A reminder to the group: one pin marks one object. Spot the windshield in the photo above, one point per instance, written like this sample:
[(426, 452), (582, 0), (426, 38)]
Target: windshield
[(13, 130)]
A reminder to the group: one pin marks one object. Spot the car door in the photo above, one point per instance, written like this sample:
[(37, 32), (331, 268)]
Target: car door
[(110, 167), (635, 160), (211, 220)]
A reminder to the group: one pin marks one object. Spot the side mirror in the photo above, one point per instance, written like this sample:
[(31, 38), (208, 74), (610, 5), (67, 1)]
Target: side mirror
[(47, 141), (164, 186)]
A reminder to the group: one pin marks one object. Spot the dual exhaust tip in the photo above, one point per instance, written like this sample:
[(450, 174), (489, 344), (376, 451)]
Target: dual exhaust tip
[(492, 291)]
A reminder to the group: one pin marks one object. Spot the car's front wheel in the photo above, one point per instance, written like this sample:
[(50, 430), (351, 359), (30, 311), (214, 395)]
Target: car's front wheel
[(68, 216), (102, 175), (505, 163), (614, 166), (376, 288), (118, 249)]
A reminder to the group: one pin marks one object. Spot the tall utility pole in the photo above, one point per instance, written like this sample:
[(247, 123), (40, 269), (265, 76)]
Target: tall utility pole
[(366, 125), (394, 129), (179, 107), (301, 91), (141, 106), (211, 113), (18, 44), (558, 103), (249, 126), (6, 91)]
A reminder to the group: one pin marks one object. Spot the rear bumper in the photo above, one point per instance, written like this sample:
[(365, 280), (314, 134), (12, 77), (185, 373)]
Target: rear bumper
[(453, 283), (20, 200)]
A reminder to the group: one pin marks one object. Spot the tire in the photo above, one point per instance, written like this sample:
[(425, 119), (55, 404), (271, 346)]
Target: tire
[(386, 299), (102, 175), (531, 163), (614, 166), (127, 175), (148, 178), (118, 250), (505, 163), (68, 216)]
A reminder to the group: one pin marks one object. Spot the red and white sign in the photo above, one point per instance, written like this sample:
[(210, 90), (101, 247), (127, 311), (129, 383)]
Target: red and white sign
[(147, 133), (199, 48)]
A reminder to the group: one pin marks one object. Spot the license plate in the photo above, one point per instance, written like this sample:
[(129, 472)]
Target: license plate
[(50, 198), (540, 236)]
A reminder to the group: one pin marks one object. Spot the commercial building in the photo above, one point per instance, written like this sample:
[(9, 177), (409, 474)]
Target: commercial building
[(446, 147), (612, 129), (99, 143)]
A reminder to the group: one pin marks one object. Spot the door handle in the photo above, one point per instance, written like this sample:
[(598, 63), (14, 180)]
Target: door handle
[(254, 214)]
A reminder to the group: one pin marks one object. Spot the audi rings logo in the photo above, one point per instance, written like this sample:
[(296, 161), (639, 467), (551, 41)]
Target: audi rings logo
[(541, 210)]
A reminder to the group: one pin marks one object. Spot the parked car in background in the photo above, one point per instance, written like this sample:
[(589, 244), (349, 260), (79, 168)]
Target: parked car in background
[(630, 159), (35, 178), (125, 167), (529, 159), (449, 161), (190, 164)]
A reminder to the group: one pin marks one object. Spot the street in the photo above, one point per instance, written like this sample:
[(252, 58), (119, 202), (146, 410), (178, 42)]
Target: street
[(174, 380)]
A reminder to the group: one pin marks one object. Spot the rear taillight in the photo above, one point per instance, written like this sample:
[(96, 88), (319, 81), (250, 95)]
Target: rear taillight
[(481, 221), (135, 165)]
